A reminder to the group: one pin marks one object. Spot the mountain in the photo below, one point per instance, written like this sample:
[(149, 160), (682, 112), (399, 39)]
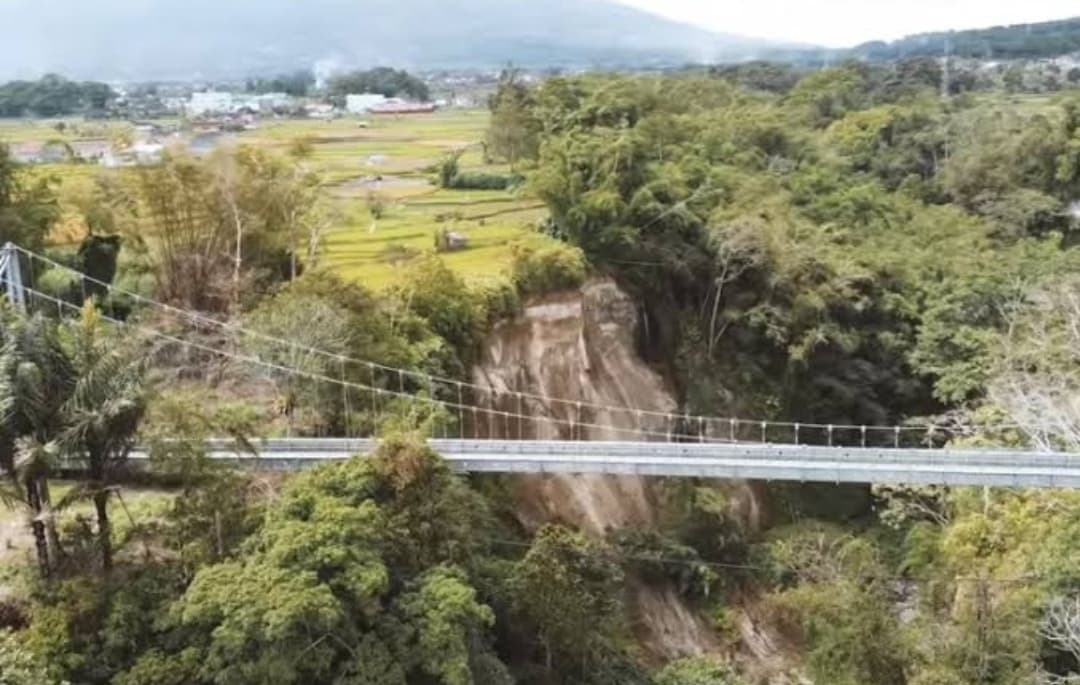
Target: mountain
[(129, 39), (1020, 41), (1028, 41)]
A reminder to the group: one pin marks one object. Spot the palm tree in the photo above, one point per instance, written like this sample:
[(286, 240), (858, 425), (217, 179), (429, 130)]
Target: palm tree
[(35, 380), (102, 414)]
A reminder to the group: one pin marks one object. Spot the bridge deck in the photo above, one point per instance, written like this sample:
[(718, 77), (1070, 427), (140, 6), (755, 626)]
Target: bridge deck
[(1006, 468)]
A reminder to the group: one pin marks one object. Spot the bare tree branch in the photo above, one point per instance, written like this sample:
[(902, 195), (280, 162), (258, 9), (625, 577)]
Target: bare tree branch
[(1039, 379)]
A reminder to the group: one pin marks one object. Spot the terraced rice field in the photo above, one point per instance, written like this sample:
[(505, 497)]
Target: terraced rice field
[(374, 252), (390, 158)]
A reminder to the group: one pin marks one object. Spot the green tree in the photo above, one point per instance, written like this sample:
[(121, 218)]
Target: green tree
[(221, 228), (568, 588), (36, 382), (309, 323), (360, 573), (828, 94), (1014, 79), (841, 606), (53, 95), (772, 77), (513, 133), (103, 414), (216, 508), (382, 80), (298, 84), (27, 209), (448, 617), (433, 291)]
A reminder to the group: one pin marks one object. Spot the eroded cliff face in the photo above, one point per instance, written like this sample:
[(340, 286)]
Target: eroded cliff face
[(581, 346), (578, 346)]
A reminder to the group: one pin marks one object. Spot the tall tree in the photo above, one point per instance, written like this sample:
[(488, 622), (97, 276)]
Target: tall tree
[(567, 587), (103, 414), (514, 131), (37, 379), (221, 228), (27, 208)]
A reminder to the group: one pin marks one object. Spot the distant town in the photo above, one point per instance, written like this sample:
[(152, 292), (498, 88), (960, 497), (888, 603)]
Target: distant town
[(197, 116)]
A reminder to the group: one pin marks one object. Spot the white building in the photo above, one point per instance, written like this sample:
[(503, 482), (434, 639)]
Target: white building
[(362, 104), (268, 102), (318, 110), (140, 154), (210, 103)]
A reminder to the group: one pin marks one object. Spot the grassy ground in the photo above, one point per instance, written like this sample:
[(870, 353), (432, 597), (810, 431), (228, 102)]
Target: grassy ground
[(42, 130), (391, 158), (136, 506)]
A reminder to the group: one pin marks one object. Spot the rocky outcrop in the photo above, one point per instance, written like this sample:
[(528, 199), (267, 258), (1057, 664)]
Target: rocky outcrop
[(580, 346)]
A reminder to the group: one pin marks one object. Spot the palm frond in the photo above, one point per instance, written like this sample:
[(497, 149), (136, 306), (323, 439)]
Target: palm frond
[(35, 457)]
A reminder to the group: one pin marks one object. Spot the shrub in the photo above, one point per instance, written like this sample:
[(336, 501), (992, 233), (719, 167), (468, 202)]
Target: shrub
[(396, 253), (537, 269), (450, 176), (484, 181), (500, 302), (653, 555), (448, 169), (18, 665), (376, 205), (697, 671), (59, 283), (432, 290)]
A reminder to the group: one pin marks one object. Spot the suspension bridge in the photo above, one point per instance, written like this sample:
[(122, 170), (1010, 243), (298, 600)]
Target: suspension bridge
[(484, 429)]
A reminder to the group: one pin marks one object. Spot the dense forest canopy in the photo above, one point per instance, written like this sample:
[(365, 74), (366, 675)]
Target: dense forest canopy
[(843, 251)]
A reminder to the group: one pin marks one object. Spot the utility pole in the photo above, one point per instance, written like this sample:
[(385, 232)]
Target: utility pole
[(946, 85), (11, 275)]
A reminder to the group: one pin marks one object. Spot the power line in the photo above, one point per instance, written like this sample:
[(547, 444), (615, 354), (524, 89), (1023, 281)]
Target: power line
[(322, 378), (625, 557), (732, 424), (614, 553)]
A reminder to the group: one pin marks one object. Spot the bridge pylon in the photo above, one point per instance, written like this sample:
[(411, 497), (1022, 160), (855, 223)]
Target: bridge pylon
[(11, 276)]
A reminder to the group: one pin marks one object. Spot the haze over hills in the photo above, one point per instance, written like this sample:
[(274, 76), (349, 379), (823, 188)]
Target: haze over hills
[(130, 39)]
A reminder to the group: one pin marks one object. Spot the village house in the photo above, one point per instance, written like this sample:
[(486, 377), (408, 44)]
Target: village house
[(398, 106), (210, 102), (58, 151), (362, 103), (139, 154), (27, 152)]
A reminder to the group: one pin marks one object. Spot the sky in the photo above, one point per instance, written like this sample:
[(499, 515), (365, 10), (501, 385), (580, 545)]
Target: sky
[(844, 23)]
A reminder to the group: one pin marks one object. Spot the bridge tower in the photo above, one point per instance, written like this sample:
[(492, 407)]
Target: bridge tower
[(11, 276)]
